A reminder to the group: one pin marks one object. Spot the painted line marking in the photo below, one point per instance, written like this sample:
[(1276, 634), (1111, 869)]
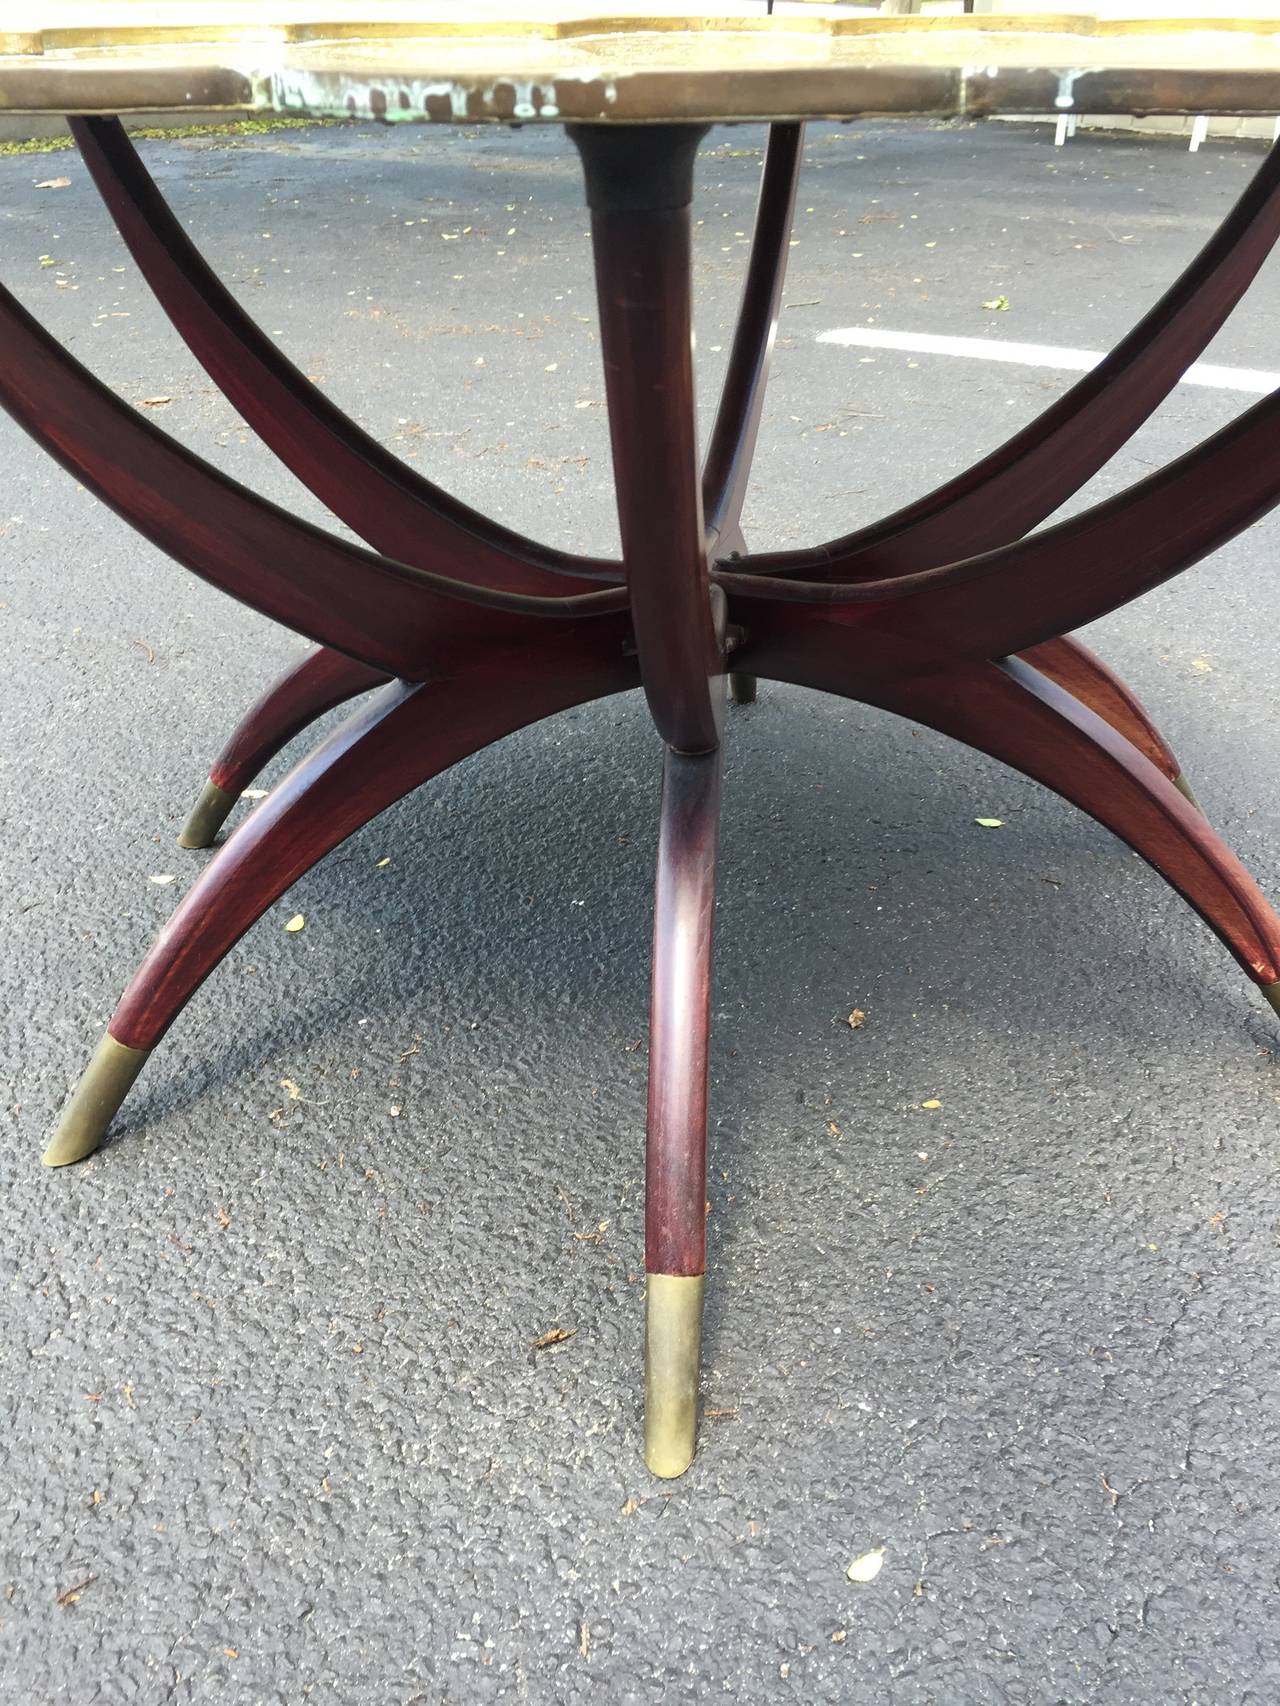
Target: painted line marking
[(1251, 379)]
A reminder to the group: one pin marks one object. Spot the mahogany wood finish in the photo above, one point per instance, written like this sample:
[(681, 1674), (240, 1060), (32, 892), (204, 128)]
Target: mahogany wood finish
[(404, 736), (386, 503), (401, 620), (1085, 676), (320, 683), (1020, 717), (639, 184), (733, 437), (680, 1015), (922, 613), (1038, 468), (727, 466)]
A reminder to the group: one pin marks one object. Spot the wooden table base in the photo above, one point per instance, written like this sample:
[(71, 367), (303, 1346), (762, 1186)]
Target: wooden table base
[(950, 612)]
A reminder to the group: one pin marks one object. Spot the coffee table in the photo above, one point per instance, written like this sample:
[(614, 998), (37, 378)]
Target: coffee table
[(457, 631)]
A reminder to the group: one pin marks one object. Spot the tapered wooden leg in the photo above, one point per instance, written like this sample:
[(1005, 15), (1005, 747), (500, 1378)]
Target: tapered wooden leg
[(1089, 680), (404, 736), (322, 681), (1027, 721), (676, 1153)]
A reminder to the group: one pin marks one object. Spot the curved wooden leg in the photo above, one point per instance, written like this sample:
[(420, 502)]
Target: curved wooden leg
[(378, 497), (1031, 724), (322, 681), (676, 1151), (406, 735), (1088, 679)]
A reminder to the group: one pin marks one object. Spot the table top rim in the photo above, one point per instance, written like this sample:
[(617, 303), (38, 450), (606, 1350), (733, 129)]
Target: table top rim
[(395, 59)]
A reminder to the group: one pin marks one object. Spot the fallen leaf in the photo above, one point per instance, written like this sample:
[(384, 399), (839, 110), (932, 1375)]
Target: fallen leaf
[(289, 1085), (70, 1596), (224, 1219), (867, 1567), (230, 1653), (990, 822), (556, 1336), (254, 793), (382, 862), (162, 877), (719, 1415), (630, 1508), (153, 402), (584, 1640), (53, 183), (839, 1635), (1202, 665), (933, 1102), (857, 1019), (295, 924), (998, 302)]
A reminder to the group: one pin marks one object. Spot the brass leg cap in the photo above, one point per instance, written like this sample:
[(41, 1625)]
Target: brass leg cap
[(1180, 783), (672, 1342), (208, 815), (1272, 993), (107, 1080), (742, 688)]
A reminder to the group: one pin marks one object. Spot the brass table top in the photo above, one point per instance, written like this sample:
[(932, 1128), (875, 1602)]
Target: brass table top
[(395, 60)]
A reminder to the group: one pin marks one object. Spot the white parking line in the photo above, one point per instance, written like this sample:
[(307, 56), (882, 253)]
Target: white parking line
[(1251, 379)]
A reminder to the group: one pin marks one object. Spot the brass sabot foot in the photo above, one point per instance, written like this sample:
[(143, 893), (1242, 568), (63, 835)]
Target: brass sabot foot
[(742, 688), (672, 1341), (208, 815), (107, 1080)]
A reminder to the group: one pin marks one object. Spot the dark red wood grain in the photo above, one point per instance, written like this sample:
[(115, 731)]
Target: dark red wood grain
[(732, 444), (398, 619), (916, 614), (1018, 716), (646, 335), (388, 504), (321, 682), (1038, 468), (402, 737), (1089, 680), (680, 1015), (1019, 596)]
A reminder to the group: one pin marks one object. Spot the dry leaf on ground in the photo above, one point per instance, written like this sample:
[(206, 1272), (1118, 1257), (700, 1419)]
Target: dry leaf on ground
[(867, 1567)]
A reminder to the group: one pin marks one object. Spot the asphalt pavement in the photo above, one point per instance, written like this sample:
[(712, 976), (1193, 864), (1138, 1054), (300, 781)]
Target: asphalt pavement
[(994, 1275)]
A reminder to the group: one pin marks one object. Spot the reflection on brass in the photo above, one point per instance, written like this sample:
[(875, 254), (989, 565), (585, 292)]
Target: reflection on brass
[(107, 1080), (208, 815), (672, 1341)]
